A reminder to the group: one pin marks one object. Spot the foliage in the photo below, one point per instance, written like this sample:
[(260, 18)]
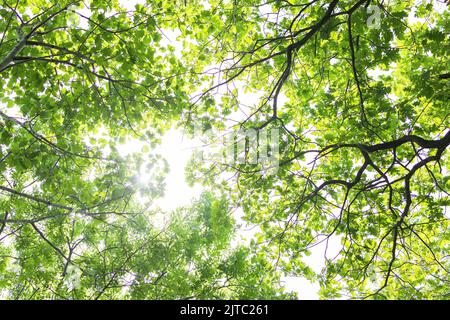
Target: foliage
[(363, 115), (130, 258), (78, 82), (362, 112)]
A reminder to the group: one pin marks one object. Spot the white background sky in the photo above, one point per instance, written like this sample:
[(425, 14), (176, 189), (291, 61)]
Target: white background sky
[(177, 149)]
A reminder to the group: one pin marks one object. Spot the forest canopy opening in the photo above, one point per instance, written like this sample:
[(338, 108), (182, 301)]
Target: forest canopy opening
[(224, 149)]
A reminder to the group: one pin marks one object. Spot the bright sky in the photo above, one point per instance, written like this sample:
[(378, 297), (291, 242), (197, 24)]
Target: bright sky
[(177, 149)]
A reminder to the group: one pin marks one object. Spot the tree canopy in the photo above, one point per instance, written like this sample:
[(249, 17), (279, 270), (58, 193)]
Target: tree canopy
[(356, 91)]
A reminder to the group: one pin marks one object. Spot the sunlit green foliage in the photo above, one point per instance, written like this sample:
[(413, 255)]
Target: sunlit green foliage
[(363, 113)]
